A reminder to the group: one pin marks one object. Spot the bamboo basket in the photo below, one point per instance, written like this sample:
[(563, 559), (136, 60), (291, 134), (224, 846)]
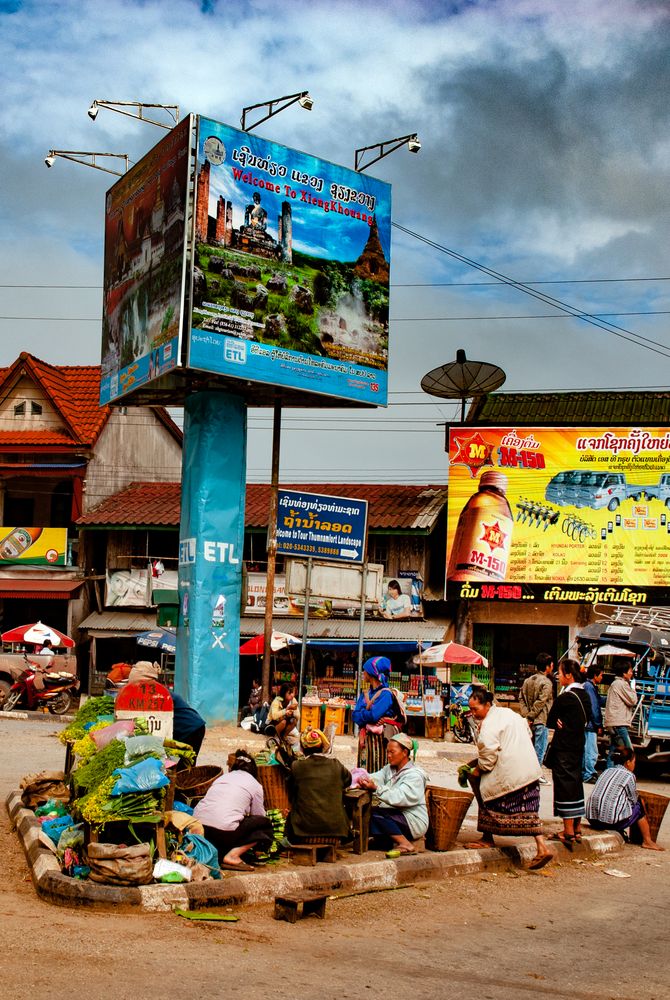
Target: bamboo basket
[(446, 812), (196, 780), (654, 807), (275, 791)]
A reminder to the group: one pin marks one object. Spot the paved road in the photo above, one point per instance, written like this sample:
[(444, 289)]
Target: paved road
[(572, 931)]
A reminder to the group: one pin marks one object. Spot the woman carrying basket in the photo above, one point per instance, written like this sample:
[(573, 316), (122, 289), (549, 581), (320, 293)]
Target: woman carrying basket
[(377, 713)]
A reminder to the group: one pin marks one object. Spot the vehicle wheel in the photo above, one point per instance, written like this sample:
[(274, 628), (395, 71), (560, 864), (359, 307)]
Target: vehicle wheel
[(11, 701), (462, 732), (60, 703), (667, 502), (5, 688), (613, 504)]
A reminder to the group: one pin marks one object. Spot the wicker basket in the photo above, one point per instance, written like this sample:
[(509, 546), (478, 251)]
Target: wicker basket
[(275, 792), (446, 812), (196, 780), (654, 806)]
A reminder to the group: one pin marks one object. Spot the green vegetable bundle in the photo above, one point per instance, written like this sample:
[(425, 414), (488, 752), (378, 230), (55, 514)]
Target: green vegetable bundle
[(89, 712), (278, 822), (180, 751), (100, 807), (100, 767)]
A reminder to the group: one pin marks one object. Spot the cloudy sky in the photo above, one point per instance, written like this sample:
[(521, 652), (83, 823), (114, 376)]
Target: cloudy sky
[(545, 142)]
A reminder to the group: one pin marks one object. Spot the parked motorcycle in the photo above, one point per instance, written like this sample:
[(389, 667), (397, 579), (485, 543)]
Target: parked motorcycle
[(55, 690), (462, 723)]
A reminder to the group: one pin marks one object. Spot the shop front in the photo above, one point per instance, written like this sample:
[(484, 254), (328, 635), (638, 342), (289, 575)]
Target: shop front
[(331, 664), (112, 638)]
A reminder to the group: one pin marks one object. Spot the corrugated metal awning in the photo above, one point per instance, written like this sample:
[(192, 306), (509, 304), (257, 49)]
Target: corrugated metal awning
[(110, 624), (39, 588), (375, 630)]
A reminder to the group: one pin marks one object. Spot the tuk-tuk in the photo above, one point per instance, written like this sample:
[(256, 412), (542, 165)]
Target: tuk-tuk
[(644, 634)]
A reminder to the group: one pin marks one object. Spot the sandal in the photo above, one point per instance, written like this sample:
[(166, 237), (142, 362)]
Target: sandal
[(241, 867), (540, 862), (567, 839)]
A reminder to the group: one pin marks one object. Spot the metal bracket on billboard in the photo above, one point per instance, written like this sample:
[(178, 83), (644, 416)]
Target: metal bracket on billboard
[(120, 106), (305, 626), (275, 106)]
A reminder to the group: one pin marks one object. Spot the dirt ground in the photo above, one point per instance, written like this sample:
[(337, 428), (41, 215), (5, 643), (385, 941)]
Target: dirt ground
[(569, 931)]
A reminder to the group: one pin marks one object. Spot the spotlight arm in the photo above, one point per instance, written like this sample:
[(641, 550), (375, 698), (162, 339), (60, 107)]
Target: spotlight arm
[(120, 106), (75, 154), (383, 149), (273, 108)]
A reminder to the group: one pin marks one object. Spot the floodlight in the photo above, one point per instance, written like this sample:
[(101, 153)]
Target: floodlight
[(93, 111), (381, 149), (273, 107), (49, 160)]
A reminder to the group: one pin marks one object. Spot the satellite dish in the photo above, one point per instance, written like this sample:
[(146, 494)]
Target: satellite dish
[(463, 379)]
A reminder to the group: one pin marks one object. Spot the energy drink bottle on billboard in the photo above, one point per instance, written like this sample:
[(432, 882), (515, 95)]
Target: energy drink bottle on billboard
[(483, 538), (13, 545)]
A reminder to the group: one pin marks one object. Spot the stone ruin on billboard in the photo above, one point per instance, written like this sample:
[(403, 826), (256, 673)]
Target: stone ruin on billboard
[(252, 237)]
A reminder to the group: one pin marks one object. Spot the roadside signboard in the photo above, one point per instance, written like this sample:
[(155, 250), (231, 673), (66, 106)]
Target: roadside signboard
[(33, 546), (145, 267), (559, 514), (151, 701), (323, 527), (291, 268)]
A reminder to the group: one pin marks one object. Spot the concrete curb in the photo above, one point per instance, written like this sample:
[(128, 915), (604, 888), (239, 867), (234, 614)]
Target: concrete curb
[(236, 890)]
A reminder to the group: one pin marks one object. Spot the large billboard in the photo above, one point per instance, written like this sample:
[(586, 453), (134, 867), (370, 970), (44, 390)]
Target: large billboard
[(559, 514), (291, 268), (144, 272)]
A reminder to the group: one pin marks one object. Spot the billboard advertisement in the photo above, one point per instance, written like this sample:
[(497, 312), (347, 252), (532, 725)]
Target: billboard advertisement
[(144, 269), (559, 514), (291, 268), (33, 546)]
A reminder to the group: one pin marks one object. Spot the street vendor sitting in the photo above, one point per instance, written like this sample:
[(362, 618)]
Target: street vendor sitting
[(615, 805), (399, 815), (283, 714), (316, 788)]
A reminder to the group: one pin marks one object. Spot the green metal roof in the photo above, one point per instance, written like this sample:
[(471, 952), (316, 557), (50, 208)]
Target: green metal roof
[(561, 409)]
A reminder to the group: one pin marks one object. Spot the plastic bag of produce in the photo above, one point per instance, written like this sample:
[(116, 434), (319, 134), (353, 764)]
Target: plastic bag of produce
[(144, 776), (101, 737), (55, 827), (140, 746), (116, 864), (51, 809)]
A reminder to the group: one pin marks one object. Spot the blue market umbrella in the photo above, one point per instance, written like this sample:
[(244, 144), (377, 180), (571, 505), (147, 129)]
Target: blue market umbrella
[(164, 639)]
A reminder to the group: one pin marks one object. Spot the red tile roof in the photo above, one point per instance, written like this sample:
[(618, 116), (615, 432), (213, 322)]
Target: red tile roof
[(392, 507), (73, 390)]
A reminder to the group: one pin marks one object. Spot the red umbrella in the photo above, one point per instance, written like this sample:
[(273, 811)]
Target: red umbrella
[(278, 640), (37, 633)]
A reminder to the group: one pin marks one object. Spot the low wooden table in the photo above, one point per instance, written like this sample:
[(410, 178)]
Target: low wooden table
[(358, 803)]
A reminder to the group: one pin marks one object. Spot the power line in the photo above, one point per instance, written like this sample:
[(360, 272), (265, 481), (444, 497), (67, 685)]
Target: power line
[(611, 328)]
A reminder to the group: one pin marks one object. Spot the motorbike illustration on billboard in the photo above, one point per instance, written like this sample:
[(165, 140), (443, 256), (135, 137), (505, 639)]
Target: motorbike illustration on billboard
[(559, 514)]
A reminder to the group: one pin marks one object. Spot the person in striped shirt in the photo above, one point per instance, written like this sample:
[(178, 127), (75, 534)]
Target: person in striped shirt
[(614, 804)]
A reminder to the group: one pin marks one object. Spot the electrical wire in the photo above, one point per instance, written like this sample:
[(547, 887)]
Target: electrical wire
[(611, 328)]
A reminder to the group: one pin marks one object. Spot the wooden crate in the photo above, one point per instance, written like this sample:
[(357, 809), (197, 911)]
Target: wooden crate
[(335, 714), (310, 717)]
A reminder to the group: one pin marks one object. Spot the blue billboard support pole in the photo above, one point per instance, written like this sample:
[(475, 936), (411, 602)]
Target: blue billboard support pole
[(210, 554)]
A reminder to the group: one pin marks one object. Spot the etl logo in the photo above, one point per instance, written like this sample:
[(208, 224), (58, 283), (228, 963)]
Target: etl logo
[(235, 351)]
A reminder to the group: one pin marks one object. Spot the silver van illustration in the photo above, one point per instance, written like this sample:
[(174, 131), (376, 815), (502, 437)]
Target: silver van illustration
[(589, 488)]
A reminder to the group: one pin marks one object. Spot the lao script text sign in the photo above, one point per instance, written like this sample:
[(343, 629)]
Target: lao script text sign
[(291, 268), (322, 527), (148, 700), (570, 514)]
